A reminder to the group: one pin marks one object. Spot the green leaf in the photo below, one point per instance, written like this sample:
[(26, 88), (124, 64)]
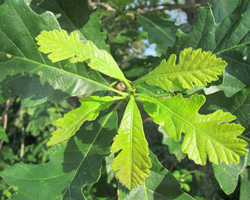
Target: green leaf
[(173, 146), (71, 15), (228, 175), (159, 31), (238, 105), (195, 67), (91, 31), (210, 134), (139, 67), (73, 164), (72, 121), (160, 185), (132, 163), (28, 73), (61, 46), (3, 135), (230, 86), (86, 24), (244, 187), (228, 39), (152, 90), (223, 8)]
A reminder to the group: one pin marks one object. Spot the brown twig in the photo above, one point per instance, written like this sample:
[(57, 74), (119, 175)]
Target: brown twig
[(168, 6), (94, 5), (149, 119), (4, 117), (22, 131)]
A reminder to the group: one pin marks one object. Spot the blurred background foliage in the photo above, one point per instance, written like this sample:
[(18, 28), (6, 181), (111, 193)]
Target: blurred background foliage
[(24, 131)]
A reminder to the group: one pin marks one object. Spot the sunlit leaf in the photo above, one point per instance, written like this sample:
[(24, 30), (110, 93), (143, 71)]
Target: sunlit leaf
[(72, 121), (194, 67), (228, 39), (132, 164), (61, 46), (230, 86), (238, 105), (160, 185), (204, 135)]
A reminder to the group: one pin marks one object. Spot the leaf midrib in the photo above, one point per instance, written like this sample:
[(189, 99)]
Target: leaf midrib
[(78, 30), (158, 28), (83, 116), (90, 147), (27, 30), (175, 73), (53, 68), (90, 46), (118, 73), (231, 25), (131, 140), (177, 116)]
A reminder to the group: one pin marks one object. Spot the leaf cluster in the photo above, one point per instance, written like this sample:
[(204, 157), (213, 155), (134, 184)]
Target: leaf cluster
[(80, 64)]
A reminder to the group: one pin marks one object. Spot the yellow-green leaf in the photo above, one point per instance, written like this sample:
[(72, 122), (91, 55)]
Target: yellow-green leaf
[(132, 164), (194, 67), (72, 121), (61, 46), (205, 135)]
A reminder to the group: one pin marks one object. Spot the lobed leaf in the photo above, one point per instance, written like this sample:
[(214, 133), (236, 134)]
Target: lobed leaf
[(27, 72), (73, 164), (62, 46), (205, 135), (230, 86), (132, 163), (87, 24), (194, 67), (237, 104), (228, 39), (72, 121)]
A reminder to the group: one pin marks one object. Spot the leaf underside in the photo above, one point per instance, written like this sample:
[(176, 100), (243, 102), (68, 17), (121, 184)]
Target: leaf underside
[(194, 67), (132, 164), (72, 121), (210, 134)]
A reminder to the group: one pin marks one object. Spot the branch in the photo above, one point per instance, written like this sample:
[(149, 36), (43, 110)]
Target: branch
[(4, 117), (20, 121), (94, 5), (168, 6)]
